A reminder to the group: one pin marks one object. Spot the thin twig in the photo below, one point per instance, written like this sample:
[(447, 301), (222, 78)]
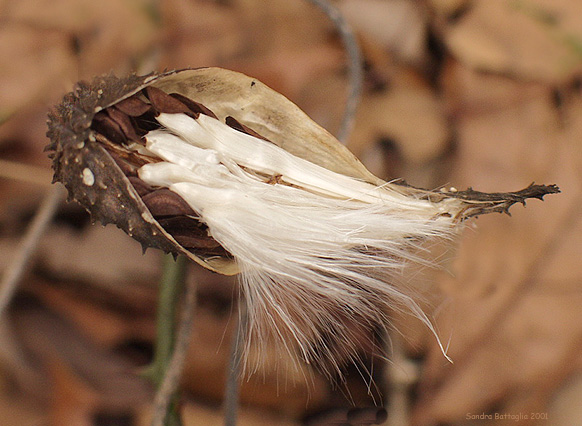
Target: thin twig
[(401, 374), (355, 71), (171, 288), (231, 394), (28, 245), (169, 385)]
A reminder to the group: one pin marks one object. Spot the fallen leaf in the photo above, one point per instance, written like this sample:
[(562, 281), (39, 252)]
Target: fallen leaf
[(533, 40), (511, 318)]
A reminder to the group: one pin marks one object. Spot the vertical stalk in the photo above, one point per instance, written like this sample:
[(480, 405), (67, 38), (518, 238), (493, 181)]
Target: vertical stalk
[(231, 394), (355, 70), (171, 289), (27, 246)]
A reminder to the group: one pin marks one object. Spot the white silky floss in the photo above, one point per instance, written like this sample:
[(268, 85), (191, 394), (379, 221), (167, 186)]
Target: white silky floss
[(317, 250)]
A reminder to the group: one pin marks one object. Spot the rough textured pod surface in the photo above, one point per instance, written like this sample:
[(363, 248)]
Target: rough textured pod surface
[(95, 180), (111, 197)]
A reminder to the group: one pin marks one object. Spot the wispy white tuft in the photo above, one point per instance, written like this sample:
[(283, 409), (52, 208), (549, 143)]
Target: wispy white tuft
[(323, 257)]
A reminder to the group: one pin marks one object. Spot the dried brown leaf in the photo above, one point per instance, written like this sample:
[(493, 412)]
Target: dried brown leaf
[(399, 25), (512, 318), (533, 40)]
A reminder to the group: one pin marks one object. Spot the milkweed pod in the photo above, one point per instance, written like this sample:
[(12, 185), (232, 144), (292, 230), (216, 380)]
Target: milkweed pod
[(112, 198), (214, 165)]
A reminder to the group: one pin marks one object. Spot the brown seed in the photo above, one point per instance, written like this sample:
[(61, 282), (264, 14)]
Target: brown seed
[(237, 125), (195, 107), (140, 186), (180, 224), (189, 232), (124, 123), (146, 123), (133, 106), (163, 202), (162, 102), (104, 124), (190, 241)]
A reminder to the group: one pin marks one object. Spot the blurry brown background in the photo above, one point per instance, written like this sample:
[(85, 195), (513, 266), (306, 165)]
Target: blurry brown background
[(482, 93)]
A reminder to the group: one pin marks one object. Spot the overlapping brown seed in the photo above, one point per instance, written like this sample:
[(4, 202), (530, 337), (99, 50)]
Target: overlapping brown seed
[(130, 120), (124, 123), (140, 186), (146, 123), (163, 202), (105, 125), (188, 231), (195, 107), (237, 125), (133, 106), (190, 241), (162, 102)]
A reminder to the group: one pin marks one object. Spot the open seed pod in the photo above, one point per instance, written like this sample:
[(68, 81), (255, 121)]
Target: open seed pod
[(216, 166), (89, 128)]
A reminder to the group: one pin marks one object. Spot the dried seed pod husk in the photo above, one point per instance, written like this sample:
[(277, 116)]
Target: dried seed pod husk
[(346, 234), (96, 181)]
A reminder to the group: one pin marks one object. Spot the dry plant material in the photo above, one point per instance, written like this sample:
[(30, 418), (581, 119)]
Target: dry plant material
[(214, 165), (537, 41)]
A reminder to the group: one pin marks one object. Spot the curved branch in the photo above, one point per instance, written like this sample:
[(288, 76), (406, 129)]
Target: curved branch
[(28, 245), (356, 74)]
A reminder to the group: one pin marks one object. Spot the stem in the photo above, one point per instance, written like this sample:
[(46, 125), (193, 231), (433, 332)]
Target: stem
[(356, 74), (171, 287), (166, 411), (167, 398), (27, 247), (231, 394)]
